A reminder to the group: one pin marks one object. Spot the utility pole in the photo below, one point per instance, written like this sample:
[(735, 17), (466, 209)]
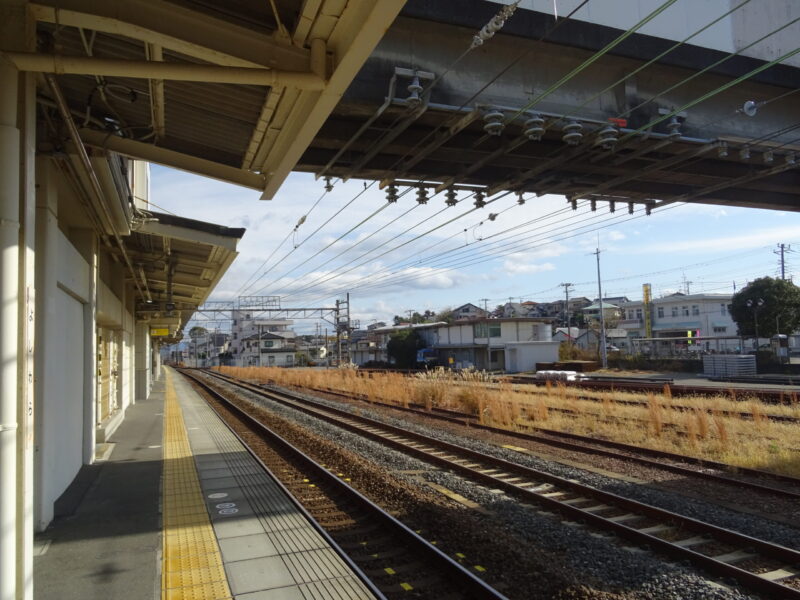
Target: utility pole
[(686, 284), (567, 287), (603, 354), (782, 248), (488, 339)]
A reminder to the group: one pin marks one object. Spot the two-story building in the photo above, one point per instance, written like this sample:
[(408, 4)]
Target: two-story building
[(679, 315)]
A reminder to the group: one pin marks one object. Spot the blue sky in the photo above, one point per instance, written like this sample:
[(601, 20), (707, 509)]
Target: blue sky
[(387, 271)]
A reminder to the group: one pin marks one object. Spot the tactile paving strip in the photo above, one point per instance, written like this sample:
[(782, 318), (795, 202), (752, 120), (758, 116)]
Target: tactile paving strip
[(191, 563), (268, 546)]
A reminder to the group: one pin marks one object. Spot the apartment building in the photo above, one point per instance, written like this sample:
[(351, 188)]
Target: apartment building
[(261, 341)]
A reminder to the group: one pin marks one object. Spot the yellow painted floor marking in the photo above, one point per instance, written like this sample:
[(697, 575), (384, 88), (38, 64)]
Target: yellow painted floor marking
[(459, 555), (480, 568), (389, 570), (192, 564), (406, 586), (517, 449)]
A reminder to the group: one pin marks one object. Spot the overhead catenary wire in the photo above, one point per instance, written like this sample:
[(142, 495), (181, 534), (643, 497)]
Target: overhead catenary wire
[(285, 256), (497, 23), (762, 137), (402, 245), (406, 278)]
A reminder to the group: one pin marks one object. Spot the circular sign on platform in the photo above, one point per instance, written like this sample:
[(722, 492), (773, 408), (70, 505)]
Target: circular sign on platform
[(226, 505), (229, 511), (217, 495)]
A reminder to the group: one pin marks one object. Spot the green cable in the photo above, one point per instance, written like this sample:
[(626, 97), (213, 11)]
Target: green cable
[(708, 95), (592, 59)]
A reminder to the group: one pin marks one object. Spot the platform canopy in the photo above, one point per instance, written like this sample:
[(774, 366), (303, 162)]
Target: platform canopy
[(181, 260), (232, 90)]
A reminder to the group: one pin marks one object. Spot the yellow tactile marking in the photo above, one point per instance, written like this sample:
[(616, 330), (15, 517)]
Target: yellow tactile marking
[(192, 564)]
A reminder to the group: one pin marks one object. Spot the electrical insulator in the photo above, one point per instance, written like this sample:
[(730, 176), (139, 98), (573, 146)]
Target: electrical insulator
[(674, 128), (612, 206), (630, 208), (593, 205), (574, 203), (422, 195), (328, 184), (744, 153), (479, 201), (450, 197), (723, 150), (494, 25), (607, 137), (492, 216), (572, 133), (414, 89), (520, 198), (648, 208), (768, 157), (790, 158), (493, 122), (391, 193), (534, 128)]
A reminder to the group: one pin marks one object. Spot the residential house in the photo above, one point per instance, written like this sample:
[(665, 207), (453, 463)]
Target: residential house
[(468, 311)]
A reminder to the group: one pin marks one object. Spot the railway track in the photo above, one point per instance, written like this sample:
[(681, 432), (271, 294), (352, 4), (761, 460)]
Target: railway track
[(626, 452), (762, 566), (768, 395), (658, 459), (366, 534)]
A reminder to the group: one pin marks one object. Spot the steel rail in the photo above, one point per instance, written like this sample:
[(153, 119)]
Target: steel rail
[(544, 489), (466, 581)]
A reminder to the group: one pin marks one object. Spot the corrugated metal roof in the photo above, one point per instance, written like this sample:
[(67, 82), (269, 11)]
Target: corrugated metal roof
[(211, 120)]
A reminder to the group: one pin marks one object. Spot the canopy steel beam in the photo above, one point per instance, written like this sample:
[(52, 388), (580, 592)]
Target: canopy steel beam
[(145, 69), (358, 30), (170, 158), (176, 28)]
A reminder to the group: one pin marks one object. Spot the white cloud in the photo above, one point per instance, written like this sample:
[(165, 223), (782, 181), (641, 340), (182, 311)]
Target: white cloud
[(616, 236), (516, 268), (762, 237)]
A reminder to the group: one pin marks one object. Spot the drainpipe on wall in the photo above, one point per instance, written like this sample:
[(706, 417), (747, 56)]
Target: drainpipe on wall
[(9, 330)]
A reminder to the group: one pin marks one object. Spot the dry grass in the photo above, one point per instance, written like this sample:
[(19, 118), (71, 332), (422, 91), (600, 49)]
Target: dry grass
[(700, 428)]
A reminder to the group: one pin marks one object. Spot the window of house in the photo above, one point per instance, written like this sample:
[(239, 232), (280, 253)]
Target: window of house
[(235, 335), (685, 311), (720, 329), (494, 330), (289, 359), (660, 312), (674, 311), (465, 309), (268, 343), (638, 313), (247, 316), (630, 314), (695, 310), (479, 330), (234, 321), (722, 310), (271, 359)]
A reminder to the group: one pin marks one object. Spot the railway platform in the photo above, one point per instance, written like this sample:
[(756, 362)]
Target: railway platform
[(180, 509)]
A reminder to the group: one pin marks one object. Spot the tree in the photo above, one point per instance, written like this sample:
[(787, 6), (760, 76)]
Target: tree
[(774, 303), (402, 348), (197, 332), (446, 315)]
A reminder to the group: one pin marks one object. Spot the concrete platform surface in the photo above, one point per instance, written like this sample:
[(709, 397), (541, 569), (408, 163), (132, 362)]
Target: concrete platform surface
[(182, 510)]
